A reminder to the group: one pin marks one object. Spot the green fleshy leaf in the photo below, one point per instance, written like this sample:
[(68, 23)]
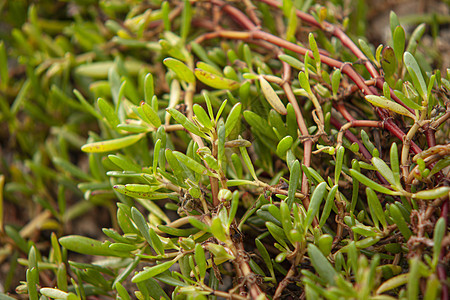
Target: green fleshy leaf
[(322, 266), (390, 105), (215, 81), (150, 272), (112, 145), (271, 96)]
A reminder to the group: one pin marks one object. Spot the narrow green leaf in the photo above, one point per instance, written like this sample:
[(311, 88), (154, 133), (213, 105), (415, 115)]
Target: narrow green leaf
[(179, 170), (200, 259), (277, 233), (4, 74), (432, 288), (186, 20), (202, 116), (199, 224), (156, 154), (177, 231), (88, 246), (366, 49), (265, 255), (388, 62), (378, 55), (293, 182), (395, 166), (400, 221), (432, 194), (150, 194), (141, 224), (393, 283), (399, 43), (407, 101), (233, 118), (390, 105), (284, 145), (430, 85), (192, 164), (325, 243), (122, 292), (416, 74), (178, 67), (220, 141), (156, 242), (230, 73), (220, 110), (372, 184), (328, 205), (322, 265), (304, 83), (314, 205), (168, 279), (271, 96), (185, 122), (32, 276), (233, 208), (111, 145), (384, 170), (286, 219), (394, 22), (386, 91), (248, 162), (413, 279), (415, 37), (259, 124), (217, 230), (336, 80), (293, 62), (315, 50), (339, 161), (215, 81), (149, 89), (152, 271), (151, 115), (441, 164), (438, 235), (376, 210), (367, 143), (125, 163), (267, 216)]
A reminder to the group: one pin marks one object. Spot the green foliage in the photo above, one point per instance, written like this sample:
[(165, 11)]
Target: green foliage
[(225, 152)]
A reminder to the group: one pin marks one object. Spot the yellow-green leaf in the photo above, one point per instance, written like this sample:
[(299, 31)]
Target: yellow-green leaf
[(390, 105), (111, 145), (215, 81), (271, 96), (183, 72)]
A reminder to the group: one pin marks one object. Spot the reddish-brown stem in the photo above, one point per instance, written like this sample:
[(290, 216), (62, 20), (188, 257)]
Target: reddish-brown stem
[(431, 138), (352, 138), (308, 143), (337, 32), (235, 14), (344, 112), (346, 41), (390, 125)]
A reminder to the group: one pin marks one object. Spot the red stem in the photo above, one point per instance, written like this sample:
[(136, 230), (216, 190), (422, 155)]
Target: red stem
[(307, 144)]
